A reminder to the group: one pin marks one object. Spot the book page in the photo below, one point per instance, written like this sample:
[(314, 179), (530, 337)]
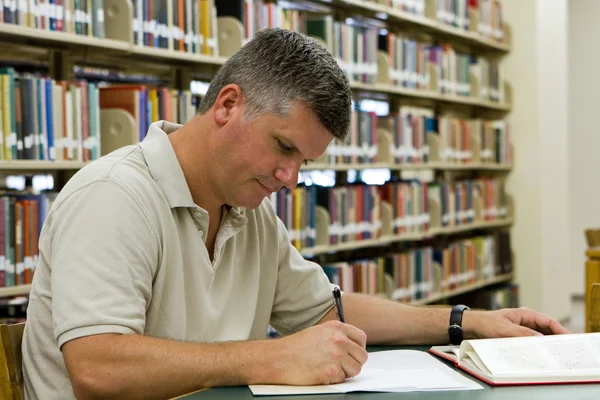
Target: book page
[(541, 355)]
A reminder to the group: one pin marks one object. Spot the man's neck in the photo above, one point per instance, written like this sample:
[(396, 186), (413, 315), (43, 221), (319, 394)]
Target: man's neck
[(188, 142)]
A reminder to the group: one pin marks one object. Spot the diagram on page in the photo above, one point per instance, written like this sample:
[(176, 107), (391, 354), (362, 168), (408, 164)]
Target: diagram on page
[(574, 356), (523, 358)]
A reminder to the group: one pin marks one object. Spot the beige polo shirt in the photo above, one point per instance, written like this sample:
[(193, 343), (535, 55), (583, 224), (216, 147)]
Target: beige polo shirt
[(122, 251)]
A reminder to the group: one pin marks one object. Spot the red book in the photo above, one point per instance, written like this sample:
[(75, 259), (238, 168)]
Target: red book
[(529, 360)]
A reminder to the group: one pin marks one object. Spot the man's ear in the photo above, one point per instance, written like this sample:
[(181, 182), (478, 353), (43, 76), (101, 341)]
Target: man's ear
[(228, 103)]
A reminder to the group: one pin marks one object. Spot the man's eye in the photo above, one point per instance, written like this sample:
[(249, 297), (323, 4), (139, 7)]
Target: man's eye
[(283, 147)]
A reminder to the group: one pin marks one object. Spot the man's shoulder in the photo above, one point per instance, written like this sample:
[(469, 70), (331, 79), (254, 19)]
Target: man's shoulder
[(124, 167)]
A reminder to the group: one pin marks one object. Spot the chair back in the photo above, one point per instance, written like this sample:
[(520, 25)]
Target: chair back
[(594, 317), (11, 361), (592, 237)]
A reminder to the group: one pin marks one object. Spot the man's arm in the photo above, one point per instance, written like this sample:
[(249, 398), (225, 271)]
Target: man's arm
[(389, 322), (113, 366)]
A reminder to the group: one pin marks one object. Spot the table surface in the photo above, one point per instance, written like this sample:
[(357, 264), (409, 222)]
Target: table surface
[(531, 392)]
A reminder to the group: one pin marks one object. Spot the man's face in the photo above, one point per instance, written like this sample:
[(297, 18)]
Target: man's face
[(261, 156)]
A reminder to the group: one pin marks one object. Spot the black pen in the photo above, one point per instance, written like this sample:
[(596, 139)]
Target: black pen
[(337, 298)]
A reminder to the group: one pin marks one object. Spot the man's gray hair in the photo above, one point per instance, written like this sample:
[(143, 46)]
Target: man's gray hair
[(278, 67)]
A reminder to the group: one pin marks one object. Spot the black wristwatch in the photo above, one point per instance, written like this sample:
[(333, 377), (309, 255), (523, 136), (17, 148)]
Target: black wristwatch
[(455, 329)]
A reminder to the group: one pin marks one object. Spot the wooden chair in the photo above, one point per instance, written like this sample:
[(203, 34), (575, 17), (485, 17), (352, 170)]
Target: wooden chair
[(592, 237), (11, 374), (594, 317)]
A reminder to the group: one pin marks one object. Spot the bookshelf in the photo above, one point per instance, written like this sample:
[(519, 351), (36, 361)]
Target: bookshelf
[(20, 290), (120, 49), (386, 239)]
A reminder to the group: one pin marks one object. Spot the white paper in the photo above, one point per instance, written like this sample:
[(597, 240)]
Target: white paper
[(387, 371)]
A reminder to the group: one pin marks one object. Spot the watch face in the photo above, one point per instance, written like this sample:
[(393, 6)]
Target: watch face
[(455, 333), (455, 329)]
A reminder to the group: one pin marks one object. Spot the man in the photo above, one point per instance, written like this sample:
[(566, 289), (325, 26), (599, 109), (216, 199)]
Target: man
[(162, 264)]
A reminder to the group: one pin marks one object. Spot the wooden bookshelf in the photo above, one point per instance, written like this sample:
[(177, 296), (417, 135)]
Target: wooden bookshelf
[(21, 34), (118, 51), (428, 95), (164, 55), (422, 23), (33, 165), (408, 237), (465, 289), (10, 291), (441, 166)]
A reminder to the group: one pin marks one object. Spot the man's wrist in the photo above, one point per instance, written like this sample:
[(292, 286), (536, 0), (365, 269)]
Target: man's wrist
[(469, 324)]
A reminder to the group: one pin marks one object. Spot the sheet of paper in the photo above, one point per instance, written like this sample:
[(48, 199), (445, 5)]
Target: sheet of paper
[(387, 371)]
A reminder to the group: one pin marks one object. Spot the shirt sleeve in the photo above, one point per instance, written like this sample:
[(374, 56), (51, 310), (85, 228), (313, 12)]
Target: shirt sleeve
[(303, 294), (103, 253)]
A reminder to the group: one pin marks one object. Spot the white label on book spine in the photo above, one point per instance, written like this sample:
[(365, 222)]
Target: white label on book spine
[(2, 263), (19, 145), (33, 8), (100, 15), (400, 294), (29, 141)]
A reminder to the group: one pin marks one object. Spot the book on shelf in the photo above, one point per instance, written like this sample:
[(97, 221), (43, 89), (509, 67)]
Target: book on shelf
[(421, 273), (453, 13), (47, 119), (505, 295), (529, 360), (188, 26), (145, 104), (355, 212), (81, 17), (409, 206), (489, 15), (361, 145), (21, 219), (353, 46), (409, 127)]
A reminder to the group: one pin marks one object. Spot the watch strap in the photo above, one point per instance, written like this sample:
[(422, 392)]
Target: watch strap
[(455, 328)]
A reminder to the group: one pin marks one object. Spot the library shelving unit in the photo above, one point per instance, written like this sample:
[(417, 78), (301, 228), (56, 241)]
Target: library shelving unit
[(60, 52)]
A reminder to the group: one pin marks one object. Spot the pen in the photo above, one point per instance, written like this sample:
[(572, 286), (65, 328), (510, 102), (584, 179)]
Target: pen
[(337, 298)]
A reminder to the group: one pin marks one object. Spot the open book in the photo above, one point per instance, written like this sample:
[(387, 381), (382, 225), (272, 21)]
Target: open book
[(573, 358)]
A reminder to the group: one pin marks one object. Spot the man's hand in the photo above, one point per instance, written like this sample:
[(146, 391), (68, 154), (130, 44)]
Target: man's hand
[(323, 354), (509, 322)]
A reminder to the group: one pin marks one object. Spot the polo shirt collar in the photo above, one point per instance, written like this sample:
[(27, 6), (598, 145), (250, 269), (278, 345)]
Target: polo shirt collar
[(164, 165), (167, 173)]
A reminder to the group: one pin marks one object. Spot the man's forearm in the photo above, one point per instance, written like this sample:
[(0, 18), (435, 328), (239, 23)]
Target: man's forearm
[(134, 366), (389, 322)]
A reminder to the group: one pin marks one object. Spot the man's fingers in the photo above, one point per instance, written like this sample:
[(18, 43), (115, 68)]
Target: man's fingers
[(358, 353), (356, 335), (549, 325), (351, 367), (542, 323)]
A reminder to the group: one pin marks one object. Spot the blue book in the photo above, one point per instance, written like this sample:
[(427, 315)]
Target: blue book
[(50, 121)]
